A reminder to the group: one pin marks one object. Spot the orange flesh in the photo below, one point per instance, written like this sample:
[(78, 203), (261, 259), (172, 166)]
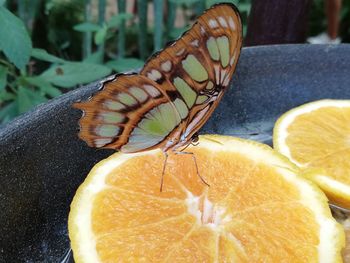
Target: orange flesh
[(321, 139), (346, 251), (248, 222)]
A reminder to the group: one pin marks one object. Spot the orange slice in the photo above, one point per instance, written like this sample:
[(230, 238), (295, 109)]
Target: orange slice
[(257, 209), (346, 252), (316, 137)]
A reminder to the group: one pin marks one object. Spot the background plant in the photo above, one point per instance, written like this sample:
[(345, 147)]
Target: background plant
[(50, 46)]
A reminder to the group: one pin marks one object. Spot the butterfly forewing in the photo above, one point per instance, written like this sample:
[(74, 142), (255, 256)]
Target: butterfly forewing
[(189, 77)]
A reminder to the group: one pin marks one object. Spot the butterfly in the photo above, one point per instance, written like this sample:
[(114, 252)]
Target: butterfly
[(170, 99)]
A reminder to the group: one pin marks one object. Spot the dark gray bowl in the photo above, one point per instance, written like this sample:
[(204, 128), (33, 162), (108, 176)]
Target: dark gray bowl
[(42, 161)]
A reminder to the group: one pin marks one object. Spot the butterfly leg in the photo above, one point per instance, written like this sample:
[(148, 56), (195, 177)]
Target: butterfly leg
[(195, 162), (164, 165)]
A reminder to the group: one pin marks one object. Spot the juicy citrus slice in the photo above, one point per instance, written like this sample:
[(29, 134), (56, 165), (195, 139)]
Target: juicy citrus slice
[(346, 252), (256, 209), (316, 137)]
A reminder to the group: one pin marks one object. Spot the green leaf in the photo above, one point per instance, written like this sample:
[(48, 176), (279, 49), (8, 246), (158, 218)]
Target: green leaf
[(3, 77), (2, 2), (74, 73), (115, 20), (24, 100), (100, 35), (6, 96), (42, 54), (125, 64), (95, 57), (27, 98), (51, 91), (244, 7), (86, 27), (8, 112), (14, 39), (186, 2), (43, 85)]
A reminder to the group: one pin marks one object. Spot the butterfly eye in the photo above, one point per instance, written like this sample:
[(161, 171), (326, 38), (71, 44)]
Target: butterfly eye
[(195, 138)]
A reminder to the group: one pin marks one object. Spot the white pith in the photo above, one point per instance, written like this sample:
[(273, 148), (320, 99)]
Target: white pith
[(310, 197), (340, 188), (207, 214)]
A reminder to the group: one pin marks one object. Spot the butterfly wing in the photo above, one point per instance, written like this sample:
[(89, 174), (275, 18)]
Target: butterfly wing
[(198, 67), (174, 94), (130, 113)]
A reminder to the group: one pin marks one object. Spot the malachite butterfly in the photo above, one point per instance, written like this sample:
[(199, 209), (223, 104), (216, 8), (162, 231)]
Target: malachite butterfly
[(175, 93)]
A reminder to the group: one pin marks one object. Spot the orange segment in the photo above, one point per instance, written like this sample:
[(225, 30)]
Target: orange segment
[(316, 137), (257, 208)]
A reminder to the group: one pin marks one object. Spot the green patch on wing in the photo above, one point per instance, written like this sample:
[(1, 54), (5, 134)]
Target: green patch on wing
[(194, 68), (112, 117), (224, 50), (213, 49), (160, 120), (201, 99), (181, 108), (113, 105), (127, 99), (188, 94), (107, 130)]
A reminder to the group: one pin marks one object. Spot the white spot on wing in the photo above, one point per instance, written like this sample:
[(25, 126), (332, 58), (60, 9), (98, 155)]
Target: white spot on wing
[(213, 23), (232, 60), (223, 75), (154, 75), (152, 90), (202, 31), (166, 66), (180, 52), (226, 80), (195, 120), (195, 43), (222, 21), (232, 23)]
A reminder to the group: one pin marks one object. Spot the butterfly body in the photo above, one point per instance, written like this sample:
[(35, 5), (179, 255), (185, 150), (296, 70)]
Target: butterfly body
[(174, 94)]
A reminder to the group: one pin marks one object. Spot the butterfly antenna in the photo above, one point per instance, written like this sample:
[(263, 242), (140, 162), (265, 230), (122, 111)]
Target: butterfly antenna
[(164, 165), (195, 162)]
